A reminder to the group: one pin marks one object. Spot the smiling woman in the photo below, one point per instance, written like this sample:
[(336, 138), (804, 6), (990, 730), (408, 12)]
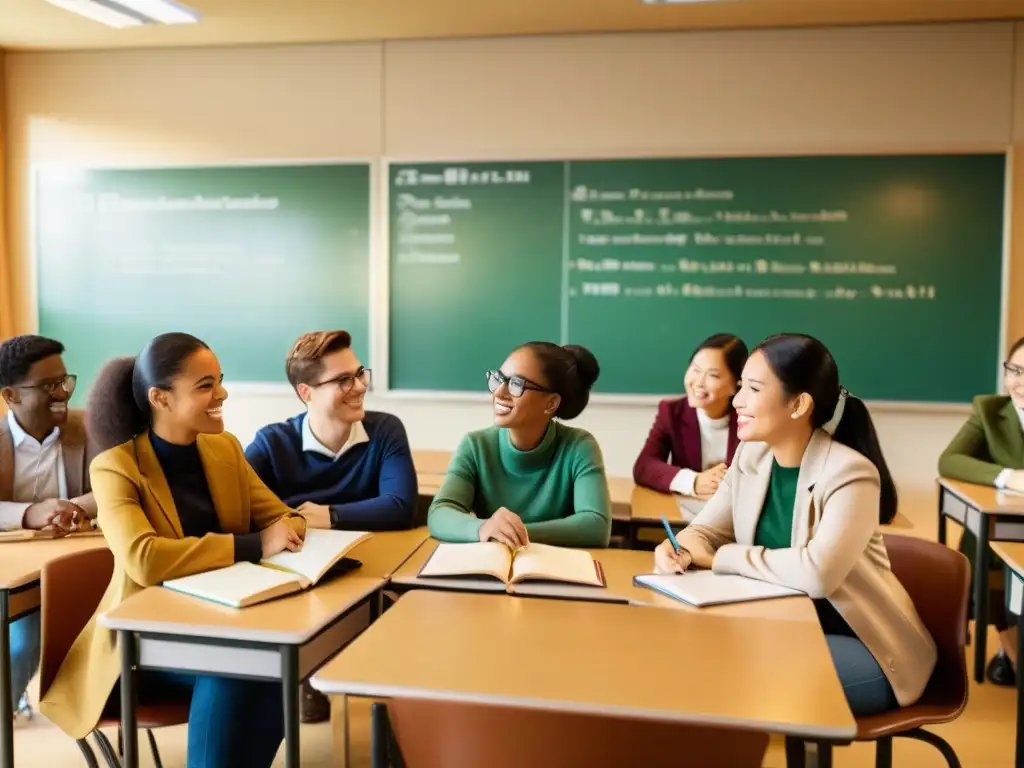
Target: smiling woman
[(175, 496), (529, 477)]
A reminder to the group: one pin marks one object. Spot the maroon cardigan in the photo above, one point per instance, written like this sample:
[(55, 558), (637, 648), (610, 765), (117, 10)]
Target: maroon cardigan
[(674, 444)]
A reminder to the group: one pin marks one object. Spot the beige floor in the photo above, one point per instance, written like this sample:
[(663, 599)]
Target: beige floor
[(983, 738)]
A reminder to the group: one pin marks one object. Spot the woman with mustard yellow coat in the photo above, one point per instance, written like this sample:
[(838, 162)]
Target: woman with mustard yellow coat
[(175, 496)]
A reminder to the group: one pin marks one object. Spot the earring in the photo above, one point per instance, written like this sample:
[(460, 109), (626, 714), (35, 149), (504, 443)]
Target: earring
[(794, 415)]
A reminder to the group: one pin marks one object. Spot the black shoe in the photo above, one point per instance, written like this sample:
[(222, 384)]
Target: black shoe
[(315, 707), (1000, 671)]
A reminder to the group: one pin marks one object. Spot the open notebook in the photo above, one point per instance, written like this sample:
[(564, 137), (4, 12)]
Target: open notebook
[(702, 588), (534, 562), (244, 584)]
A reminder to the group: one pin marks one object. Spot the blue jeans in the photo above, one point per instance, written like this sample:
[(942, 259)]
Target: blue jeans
[(866, 687), (230, 722), (24, 634)]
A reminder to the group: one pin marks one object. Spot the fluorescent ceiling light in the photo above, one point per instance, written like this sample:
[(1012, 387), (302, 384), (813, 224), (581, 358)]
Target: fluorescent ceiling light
[(130, 13), (161, 11)]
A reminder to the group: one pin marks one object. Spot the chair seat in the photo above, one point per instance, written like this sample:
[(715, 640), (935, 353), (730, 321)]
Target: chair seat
[(152, 716), (905, 719)]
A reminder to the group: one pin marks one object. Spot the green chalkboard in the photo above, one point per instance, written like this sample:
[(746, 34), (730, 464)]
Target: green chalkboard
[(247, 258), (895, 262), (476, 268)]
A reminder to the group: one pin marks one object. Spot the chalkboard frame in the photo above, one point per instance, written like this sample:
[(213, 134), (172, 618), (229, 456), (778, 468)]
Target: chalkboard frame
[(238, 387), (379, 340)]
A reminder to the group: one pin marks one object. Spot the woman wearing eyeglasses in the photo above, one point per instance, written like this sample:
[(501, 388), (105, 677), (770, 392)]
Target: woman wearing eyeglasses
[(175, 496), (989, 450), (529, 477)]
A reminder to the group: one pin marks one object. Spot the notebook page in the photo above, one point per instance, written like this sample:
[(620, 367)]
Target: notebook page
[(234, 585), (483, 558), (543, 561), (319, 552), (707, 588)]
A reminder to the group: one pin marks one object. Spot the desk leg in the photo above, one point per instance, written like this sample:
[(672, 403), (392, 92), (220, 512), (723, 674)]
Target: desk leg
[(982, 560), (129, 729), (942, 518), (290, 691), (6, 709), (1020, 690), (379, 735)]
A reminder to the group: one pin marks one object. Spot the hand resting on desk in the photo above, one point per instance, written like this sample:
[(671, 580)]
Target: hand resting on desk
[(507, 527)]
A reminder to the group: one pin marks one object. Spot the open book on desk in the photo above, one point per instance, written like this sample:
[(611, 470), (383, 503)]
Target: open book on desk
[(701, 588), (244, 584), (534, 562)]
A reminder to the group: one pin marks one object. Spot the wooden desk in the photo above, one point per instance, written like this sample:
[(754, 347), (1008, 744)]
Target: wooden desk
[(621, 491), (431, 462), (774, 676), (283, 640), (620, 566), (1012, 553), (384, 553), (990, 515), (20, 565)]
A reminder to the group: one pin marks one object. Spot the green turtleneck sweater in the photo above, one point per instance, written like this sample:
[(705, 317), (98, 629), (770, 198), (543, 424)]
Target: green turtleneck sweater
[(559, 489)]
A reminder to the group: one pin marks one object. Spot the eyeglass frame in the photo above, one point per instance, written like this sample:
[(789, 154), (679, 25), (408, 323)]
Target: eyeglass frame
[(507, 381), (1013, 370), (50, 387), (354, 376)]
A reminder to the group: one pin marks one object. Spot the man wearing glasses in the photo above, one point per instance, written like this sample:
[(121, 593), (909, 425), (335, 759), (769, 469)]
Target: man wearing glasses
[(44, 468), (339, 465)]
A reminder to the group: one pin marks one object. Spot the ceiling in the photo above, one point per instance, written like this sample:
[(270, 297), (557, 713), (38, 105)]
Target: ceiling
[(35, 24)]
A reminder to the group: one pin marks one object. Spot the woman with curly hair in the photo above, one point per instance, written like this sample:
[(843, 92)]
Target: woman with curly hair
[(175, 496)]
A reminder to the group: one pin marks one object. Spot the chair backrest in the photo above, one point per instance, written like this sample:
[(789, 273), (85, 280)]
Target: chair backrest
[(938, 580), (72, 587), (443, 734)]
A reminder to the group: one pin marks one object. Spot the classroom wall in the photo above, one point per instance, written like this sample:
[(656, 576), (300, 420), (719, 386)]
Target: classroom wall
[(935, 88)]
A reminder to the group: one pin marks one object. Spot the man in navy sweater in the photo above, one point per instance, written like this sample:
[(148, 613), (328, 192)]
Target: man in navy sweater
[(337, 464)]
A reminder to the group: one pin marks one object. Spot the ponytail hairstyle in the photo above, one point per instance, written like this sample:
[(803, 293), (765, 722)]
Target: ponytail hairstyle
[(804, 364), (119, 409), (569, 371)]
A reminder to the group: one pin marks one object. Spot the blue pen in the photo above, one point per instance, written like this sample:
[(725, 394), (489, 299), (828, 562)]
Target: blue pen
[(668, 530)]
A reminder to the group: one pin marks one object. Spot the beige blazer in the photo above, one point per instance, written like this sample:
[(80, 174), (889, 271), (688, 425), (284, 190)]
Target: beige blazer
[(837, 551), (142, 527), (77, 451)]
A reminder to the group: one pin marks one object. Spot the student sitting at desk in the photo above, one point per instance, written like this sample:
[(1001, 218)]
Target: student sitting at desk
[(694, 438), (175, 497), (800, 506), (44, 463), (989, 450), (339, 465), (528, 477)]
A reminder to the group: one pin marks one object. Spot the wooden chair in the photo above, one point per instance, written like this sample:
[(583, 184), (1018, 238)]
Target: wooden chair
[(938, 581), (432, 734), (72, 587)]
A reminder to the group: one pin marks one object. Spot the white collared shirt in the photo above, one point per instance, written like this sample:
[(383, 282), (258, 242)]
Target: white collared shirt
[(714, 447), (39, 473), (356, 436), (1004, 476)]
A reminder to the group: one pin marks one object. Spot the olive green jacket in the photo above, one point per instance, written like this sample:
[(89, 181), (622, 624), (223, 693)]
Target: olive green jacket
[(990, 441)]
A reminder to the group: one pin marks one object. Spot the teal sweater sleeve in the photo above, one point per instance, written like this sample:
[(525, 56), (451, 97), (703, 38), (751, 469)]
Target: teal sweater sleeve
[(451, 513), (590, 525)]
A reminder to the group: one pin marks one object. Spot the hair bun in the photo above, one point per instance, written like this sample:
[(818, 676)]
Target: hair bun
[(586, 365)]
